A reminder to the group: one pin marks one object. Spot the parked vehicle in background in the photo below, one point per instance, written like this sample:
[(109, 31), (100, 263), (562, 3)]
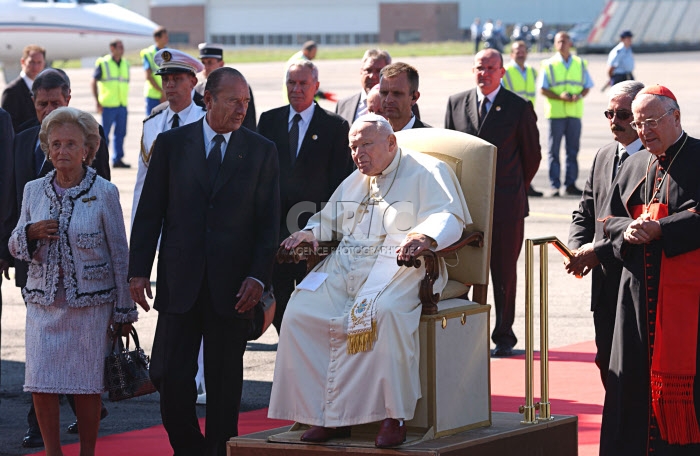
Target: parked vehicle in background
[(579, 34), (543, 37)]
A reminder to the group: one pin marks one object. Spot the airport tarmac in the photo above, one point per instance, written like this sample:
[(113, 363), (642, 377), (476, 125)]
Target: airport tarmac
[(570, 319)]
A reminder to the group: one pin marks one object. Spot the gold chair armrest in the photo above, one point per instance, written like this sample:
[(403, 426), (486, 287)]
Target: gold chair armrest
[(428, 299)]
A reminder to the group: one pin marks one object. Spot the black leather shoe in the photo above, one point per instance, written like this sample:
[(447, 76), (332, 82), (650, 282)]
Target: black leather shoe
[(32, 438), (572, 190), (73, 427), (502, 351), (532, 192), (120, 164)]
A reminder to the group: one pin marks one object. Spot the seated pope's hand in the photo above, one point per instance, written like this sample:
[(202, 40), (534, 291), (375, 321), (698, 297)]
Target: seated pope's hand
[(297, 238), (412, 245), (43, 229), (250, 293), (139, 287)]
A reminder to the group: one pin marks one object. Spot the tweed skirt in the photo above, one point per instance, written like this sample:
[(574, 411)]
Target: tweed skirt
[(66, 347)]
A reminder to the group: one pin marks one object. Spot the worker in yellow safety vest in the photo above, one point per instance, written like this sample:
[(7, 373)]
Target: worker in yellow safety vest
[(564, 82), (520, 78), (110, 87), (153, 88)]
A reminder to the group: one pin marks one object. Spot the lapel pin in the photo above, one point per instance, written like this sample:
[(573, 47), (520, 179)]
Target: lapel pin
[(498, 108), (314, 137), (89, 200)]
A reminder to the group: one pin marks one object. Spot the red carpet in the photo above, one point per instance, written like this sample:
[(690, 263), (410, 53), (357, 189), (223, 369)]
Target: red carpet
[(574, 388)]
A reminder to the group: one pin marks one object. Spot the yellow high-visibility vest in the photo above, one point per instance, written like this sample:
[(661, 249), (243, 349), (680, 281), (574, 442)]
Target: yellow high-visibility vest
[(113, 87), (148, 90), (513, 81), (561, 80)]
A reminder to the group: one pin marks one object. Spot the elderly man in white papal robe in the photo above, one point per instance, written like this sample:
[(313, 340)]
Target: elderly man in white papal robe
[(348, 352)]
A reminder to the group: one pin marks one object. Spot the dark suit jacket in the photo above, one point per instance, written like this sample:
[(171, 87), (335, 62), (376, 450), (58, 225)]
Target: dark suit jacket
[(7, 136), (419, 124), (586, 228), (347, 107), (17, 101), (322, 163), (511, 126), (221, 234), (250, 119), (12, 189)]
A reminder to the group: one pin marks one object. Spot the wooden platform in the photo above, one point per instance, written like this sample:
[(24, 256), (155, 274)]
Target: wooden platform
[(507, 436)]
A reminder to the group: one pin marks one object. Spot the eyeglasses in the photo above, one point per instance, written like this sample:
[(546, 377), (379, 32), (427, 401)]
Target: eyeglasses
[(622, 115), (649, 123)]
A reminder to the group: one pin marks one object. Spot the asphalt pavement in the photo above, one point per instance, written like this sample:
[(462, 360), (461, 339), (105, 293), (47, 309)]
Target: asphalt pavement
[(570, 320)]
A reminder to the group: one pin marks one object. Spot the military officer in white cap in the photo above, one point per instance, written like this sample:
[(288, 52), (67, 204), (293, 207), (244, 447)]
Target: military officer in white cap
[(179, 74), (212, 57)]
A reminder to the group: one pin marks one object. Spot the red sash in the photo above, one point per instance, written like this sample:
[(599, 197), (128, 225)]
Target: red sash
[(673, 366)]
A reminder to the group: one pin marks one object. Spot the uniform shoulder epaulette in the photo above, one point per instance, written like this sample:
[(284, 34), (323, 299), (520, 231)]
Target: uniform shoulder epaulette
[(157, 110)]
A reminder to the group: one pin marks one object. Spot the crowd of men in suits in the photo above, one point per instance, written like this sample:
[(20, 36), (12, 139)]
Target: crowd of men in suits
[(289, 162)]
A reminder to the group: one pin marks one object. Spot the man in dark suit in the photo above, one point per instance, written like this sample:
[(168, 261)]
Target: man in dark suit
[(7, 135), (593, 251), (507, 121), (213, 189), (51, 90), (310, 169), (398, 90), (17, 96), (212, 57), (354, 106)]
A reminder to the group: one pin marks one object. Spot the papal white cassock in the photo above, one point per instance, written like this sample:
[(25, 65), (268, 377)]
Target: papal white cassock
[(316, 381)]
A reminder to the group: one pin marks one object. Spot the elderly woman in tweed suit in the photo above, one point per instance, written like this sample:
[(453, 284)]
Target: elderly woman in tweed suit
[(71, 231)]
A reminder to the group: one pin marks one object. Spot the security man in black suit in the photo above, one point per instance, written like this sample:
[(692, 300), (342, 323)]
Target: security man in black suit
[(592, 250), (50, 90), (212, 57), (17, 96), (212, 188), (398, 91), (7, 135), (507, 121), (354, 106), (314, 159)]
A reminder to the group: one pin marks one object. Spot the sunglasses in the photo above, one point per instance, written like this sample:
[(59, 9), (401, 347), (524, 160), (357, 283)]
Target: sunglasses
[(622, 115)]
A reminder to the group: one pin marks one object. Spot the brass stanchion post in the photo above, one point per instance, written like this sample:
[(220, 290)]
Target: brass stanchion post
[(544, 405), (528, 410)]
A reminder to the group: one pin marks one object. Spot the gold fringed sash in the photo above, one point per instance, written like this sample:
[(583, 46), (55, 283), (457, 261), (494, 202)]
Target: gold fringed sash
[(362, 320)]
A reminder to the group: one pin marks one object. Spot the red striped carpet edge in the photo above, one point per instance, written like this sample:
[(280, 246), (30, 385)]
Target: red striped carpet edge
[(574, 387)]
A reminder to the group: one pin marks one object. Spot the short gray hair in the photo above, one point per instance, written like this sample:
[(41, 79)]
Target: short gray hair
[(376, 54), (52, 78), (668, 103), (303, 64), (625, 88), (72, 116), (382, 125)]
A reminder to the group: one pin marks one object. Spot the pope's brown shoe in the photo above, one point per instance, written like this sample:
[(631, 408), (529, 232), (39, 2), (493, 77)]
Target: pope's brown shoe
[(323, 434), (390, 434)]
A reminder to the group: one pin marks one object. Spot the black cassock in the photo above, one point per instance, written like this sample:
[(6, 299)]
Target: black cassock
[(629, 426)]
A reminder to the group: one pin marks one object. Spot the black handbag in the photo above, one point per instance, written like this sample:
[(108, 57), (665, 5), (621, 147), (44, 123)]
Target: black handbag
[(126, 372)]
